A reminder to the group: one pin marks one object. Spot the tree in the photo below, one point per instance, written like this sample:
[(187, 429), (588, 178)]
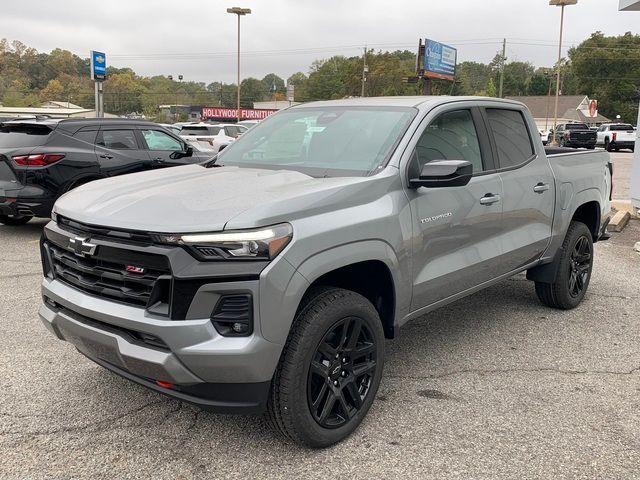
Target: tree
[(274, 84), (53, 90), (608, 69), (252, 90)]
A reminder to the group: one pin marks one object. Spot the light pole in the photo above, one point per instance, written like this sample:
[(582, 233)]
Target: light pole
[(561, 4), (239, 12)]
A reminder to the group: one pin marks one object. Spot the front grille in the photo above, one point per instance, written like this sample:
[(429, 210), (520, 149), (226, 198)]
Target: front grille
[(109, 279), (128, 236)]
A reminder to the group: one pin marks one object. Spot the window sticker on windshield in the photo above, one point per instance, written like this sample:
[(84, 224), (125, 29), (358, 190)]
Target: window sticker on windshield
[(315, 129)]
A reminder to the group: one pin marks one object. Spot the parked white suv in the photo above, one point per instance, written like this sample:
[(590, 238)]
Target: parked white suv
[(614, 136), (214, 136)]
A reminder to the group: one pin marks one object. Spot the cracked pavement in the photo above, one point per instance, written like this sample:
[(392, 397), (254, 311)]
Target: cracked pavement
[(493, 386)]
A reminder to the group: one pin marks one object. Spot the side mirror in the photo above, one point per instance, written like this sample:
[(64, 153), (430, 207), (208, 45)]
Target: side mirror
[(187, 152), (443, 173)]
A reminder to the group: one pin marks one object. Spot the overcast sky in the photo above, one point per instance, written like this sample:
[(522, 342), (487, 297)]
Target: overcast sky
[(197, 38)]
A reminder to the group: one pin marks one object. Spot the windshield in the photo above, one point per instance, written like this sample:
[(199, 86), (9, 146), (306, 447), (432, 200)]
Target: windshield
[(322, 141), (577, 126)]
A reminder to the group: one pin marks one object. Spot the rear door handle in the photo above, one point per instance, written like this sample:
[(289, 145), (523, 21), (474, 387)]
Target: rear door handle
[(106, 155), (541, 187), (489, 199)]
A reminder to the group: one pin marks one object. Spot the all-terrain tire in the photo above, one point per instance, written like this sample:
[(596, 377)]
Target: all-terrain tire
[(574, 270), (289, 409)]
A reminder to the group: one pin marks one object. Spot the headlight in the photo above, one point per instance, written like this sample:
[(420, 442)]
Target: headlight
[(261, 244)]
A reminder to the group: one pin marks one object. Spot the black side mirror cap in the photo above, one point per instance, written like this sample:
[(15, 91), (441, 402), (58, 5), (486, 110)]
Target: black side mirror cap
[(187, 152), (444, 173)]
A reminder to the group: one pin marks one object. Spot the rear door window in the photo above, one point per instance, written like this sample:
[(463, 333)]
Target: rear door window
[(511, 136), (117, 139), (25, 135)]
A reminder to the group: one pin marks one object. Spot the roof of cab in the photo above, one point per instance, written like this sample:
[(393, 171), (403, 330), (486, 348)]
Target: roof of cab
[(400, 101)]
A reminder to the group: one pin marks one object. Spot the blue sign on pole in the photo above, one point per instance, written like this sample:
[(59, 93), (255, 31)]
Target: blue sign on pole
[(439, 60), (98, 65)]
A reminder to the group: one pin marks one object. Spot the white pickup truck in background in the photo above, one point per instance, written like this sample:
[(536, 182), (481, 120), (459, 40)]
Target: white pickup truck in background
[(615, 136)]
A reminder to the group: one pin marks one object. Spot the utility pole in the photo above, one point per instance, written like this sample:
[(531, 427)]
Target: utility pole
[(562, 4), (365, 70), (504, 59), (239, 12)]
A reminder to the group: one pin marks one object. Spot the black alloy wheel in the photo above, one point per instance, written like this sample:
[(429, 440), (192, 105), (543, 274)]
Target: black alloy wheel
[(580, 266), (341, 372)]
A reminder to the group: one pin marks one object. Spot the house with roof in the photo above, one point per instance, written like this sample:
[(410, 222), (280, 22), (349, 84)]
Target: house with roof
[(571, 108)]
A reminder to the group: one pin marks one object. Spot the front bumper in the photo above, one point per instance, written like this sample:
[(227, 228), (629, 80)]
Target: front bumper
[(223, 374)]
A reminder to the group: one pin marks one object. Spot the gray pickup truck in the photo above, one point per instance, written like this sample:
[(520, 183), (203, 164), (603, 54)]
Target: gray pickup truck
[(267, 279)]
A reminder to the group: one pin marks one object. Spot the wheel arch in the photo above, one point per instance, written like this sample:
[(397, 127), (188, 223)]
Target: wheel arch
[(367, 268)]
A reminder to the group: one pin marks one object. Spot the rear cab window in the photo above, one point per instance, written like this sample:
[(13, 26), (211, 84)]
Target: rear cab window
[(577, 126), (512, 138), (621, 128)]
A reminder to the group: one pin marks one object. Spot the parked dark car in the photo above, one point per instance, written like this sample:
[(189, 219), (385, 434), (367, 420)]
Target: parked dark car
[(40, 159), (575, 135)]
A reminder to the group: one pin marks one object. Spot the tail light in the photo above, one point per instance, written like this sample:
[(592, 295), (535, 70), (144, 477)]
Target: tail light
[(613, 136), (38, 159)]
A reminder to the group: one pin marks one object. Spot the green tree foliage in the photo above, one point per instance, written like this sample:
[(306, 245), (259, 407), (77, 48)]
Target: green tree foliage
[(608, 69)]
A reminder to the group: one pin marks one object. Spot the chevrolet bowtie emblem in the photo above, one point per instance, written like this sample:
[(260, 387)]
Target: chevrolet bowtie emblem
[(81, 247)]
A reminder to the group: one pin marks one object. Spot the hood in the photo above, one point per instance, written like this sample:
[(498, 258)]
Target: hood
[(197, 199)]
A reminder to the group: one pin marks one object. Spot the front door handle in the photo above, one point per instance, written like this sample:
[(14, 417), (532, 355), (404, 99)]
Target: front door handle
[(541, 187), (106, 155), (489, 199)]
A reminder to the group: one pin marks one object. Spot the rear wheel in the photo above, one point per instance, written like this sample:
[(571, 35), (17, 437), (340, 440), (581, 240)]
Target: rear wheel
[(607, 145), (574, 270), (330, 369), (14, 220)]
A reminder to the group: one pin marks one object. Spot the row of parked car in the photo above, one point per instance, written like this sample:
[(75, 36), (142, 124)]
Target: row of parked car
[(42, 158), (612, 136)]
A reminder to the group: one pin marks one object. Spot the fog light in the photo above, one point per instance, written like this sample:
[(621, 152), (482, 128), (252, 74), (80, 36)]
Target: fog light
[(240, 327), (233, 315)]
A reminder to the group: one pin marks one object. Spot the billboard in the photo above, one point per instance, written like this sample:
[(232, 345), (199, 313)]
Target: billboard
[(245, 113), (439, 60), (98, 66)]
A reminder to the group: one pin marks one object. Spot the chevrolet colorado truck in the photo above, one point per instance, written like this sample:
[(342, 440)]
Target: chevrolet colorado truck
[(267, 279)]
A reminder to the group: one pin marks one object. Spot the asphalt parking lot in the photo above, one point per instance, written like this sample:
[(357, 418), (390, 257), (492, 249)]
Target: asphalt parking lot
[(494, 386)]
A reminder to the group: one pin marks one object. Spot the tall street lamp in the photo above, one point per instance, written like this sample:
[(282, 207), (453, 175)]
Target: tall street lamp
[(562, 4), (239, 12)]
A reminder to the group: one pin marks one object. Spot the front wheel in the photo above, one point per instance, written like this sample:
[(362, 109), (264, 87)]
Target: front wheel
[(330, 369), (14, 220), (574, 270)]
